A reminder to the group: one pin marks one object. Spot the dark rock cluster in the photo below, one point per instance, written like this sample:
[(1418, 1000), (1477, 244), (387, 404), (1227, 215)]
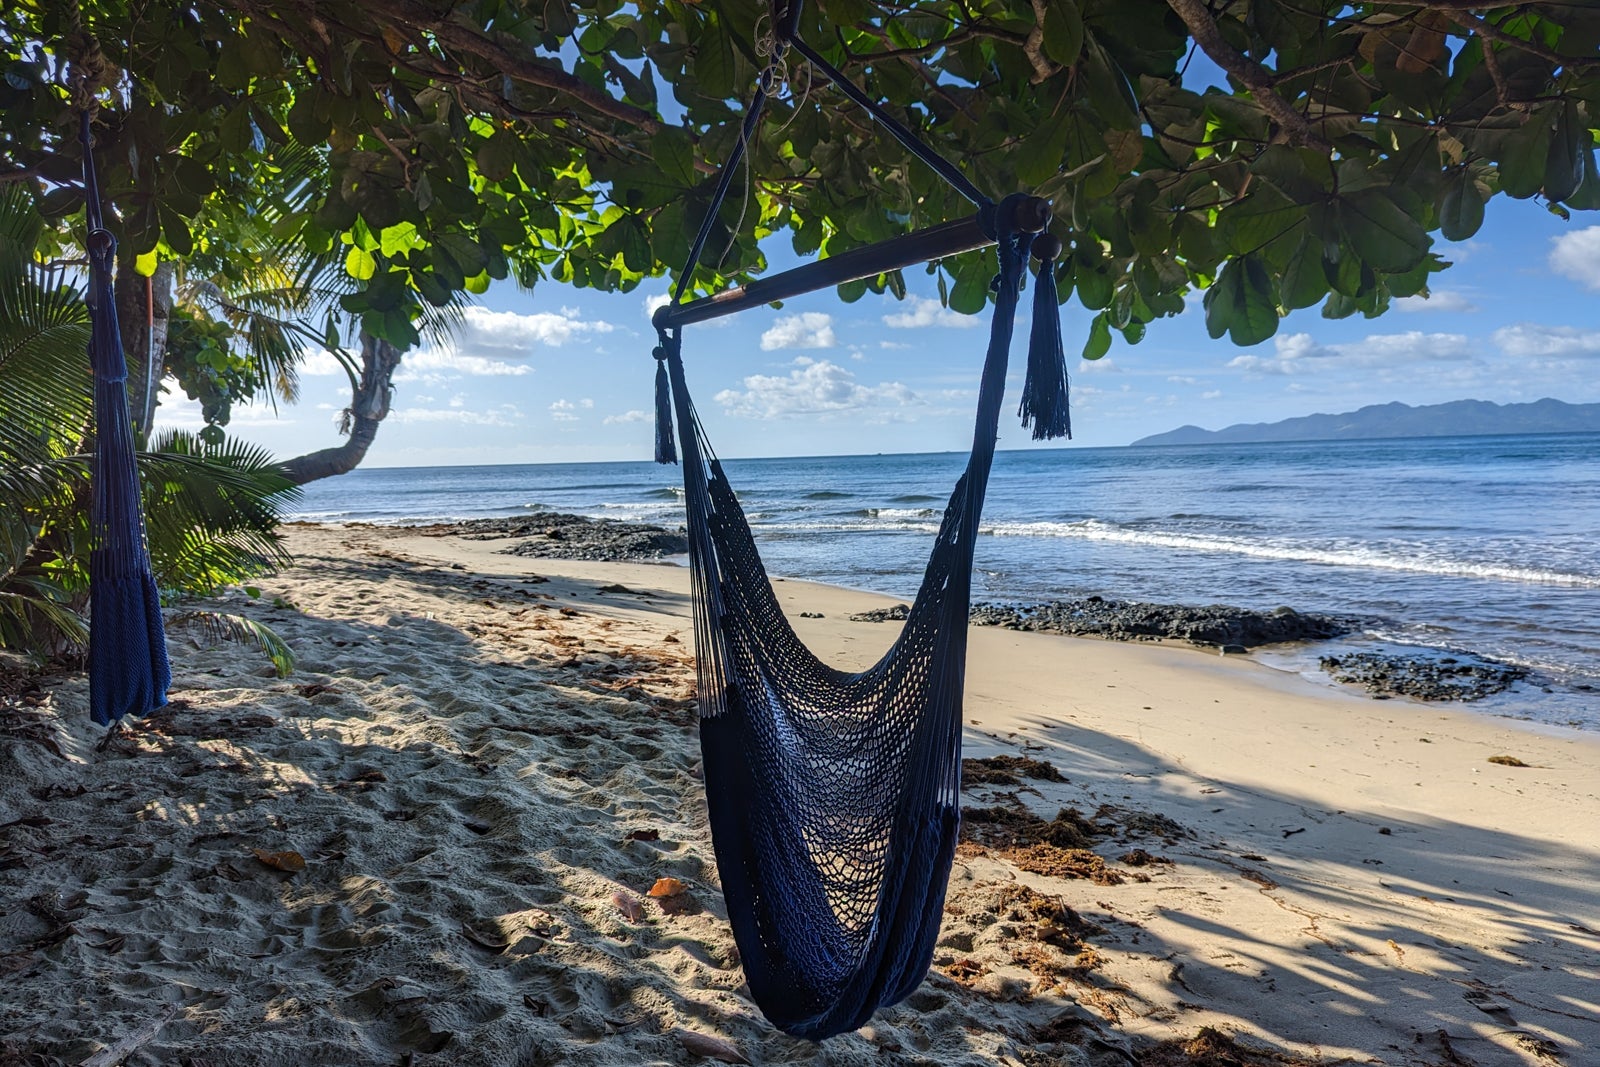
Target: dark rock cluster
[(1423, 674), (1212, 625), (554, 535)]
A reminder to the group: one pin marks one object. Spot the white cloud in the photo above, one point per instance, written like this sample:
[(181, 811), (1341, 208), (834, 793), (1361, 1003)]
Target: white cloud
[(926, 311), (814, 387), (508, 331), (893, 344), (809, 329), (1438, 300), (492, 344), (504, 415), (1576, 255), (627, 417), (437, 365), (586, 403), (1211, 394), (1299, 353), (655, 301), (1529, 340), (564, 411), (1181, 379), (319, 363)]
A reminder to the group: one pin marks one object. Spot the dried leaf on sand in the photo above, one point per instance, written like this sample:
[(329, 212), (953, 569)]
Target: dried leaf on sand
[(281, 861), (630, 907), (712, 1048)]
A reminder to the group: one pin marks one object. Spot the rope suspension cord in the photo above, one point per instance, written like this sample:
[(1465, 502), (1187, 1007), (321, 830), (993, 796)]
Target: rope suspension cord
[(913, 144)]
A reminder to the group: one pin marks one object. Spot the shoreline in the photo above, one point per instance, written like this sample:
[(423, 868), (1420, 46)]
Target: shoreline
[(481, 754), (1345, 649)]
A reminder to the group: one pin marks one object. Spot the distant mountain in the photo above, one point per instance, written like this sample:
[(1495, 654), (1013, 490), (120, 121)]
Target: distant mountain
[(1459, 418)]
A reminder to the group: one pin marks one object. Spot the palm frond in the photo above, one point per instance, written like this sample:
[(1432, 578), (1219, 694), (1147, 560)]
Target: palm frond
[(211, 510), (221, 626), (35, 621)]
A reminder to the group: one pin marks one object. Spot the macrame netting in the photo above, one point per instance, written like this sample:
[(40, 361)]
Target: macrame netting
[(834, 797)]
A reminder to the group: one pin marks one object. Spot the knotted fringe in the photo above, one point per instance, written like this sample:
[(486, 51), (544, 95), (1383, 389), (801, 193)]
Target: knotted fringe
[(666, 447), (1044, 392)]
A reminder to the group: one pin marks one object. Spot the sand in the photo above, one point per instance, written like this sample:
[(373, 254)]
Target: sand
[(485, 762)]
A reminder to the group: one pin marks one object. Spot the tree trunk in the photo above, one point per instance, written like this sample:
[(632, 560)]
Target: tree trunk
[(144, 308), (367, 409)]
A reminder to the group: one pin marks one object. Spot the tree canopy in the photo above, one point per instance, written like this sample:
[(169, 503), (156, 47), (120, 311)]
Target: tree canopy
[(429, 148)]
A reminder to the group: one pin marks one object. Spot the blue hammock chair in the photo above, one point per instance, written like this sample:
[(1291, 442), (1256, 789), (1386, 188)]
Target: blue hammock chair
[(128, 671), (834, 797)]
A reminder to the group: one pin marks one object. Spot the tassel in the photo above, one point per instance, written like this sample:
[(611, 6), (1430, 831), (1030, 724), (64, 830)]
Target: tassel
[(1044, 392), (666, 447)]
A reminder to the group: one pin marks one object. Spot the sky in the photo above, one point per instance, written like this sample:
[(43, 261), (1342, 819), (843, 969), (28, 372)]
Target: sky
[(565, 375)]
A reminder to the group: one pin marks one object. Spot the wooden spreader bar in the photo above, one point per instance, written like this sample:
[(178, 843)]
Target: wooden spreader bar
[(1029, 215)]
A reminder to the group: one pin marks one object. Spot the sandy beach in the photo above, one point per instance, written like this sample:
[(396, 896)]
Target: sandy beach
[(434, 844)]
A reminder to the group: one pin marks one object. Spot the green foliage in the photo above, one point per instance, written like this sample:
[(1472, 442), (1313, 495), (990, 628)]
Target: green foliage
[(201, 354), (428, 149), (211, 507)]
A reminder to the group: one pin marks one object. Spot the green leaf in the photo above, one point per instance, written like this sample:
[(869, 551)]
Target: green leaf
[(360, 264), (1343, 274), (1524, 157), (850, 292), (636, 245), (971, 291), (496, 156), (306, 121), (1039, 157), (1099, 340), (713, 65), (1460, 207), (1119, 313), (175, 231), (1090, 274), (1063, 32), (560, 18), (1569, 145), (673, 155), (1304, 283), (1587, 196), (1240, 303), (1383, 235), (1257, 221)]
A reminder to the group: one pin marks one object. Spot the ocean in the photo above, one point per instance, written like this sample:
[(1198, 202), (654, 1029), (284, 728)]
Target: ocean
[(1472, 544)]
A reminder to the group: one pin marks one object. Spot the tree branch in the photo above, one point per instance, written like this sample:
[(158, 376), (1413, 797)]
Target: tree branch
[(499, 51), (1251, 74), (1033, 46), (1489, 31)]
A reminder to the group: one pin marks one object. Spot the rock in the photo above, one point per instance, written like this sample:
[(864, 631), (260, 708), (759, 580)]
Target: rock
[(1234, 650), (1422, 674), (898, 613), (1231, 629), (553, 535)]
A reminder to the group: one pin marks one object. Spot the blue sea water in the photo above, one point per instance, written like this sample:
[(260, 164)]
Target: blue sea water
[(1480, 544)]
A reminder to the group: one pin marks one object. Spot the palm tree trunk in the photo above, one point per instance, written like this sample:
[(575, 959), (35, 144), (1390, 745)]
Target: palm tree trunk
[(368, 407)]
